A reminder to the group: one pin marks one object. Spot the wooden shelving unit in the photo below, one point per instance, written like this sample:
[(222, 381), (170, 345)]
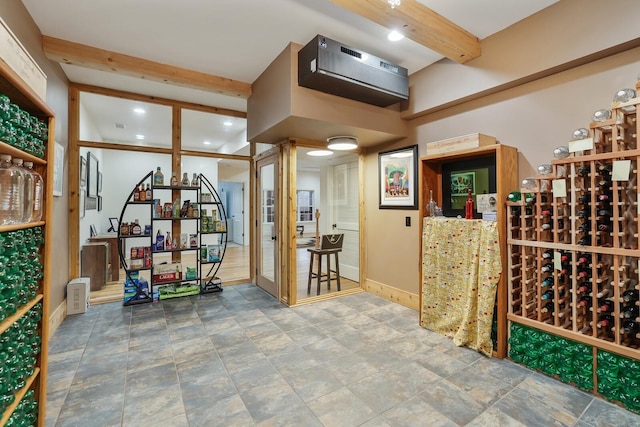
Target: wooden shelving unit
[(23, 96), (573, 258), (506, 160)]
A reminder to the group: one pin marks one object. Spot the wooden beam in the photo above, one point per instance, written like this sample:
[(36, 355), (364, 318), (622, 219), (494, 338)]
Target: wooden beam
[(71, 53), (420, 24)]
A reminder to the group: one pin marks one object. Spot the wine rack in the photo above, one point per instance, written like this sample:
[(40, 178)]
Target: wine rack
[(573, 242)]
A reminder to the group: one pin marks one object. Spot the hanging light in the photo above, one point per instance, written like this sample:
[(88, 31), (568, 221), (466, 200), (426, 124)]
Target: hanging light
[(342, 143), (394, 3)]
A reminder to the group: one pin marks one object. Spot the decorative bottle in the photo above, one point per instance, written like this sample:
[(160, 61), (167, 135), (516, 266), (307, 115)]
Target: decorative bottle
[(468, 207), (174, 180), (143, 194), (185, 180), (432, 204), (158, 177), (194, 181), (148, 193)]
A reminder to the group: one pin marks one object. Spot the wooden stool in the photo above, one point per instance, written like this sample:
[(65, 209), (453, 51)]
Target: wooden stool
[(318, 275)]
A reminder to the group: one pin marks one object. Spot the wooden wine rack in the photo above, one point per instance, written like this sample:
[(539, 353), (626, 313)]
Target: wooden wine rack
[(552, 284)]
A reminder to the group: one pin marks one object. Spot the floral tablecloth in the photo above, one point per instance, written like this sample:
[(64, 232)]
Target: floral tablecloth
[(461, 267)]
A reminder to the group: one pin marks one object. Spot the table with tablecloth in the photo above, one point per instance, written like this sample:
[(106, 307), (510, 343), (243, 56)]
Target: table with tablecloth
[(461, 266)]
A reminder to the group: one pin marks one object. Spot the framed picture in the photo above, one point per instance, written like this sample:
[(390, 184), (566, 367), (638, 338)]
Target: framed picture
[(92, 175), (81, 204), (99, 203), (83, 172), (93, 231), (398, 176), (462, 182), (113, 225), (58, 170)]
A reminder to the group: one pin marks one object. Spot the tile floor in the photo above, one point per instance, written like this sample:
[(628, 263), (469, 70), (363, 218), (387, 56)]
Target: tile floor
[(239, 358)]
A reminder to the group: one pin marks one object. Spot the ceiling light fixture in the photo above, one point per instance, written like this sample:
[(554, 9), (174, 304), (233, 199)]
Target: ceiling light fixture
[(394, 3), (319, 153), (395, 36), (342, 143), (402, 154), (139, 110), (227, 123), (139, 137), (207, 142)]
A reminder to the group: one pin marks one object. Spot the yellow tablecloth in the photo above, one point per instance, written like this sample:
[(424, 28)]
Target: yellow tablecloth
[(461, 267)]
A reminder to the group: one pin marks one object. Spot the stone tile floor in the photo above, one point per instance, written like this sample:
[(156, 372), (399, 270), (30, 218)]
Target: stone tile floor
[(239, 358)]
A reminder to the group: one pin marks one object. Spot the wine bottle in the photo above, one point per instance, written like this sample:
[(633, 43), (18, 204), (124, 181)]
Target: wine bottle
[(631, 327), (630, 296), (584, 273), (604, 213), (547, 295), (547, 254), (548, 308), (603, 227), (584, 213), (585, 198), (605, 305), (604, 170), (432, 204), (585, 241), (584, 258), (584, 288), (585, 301), (548, 281), (604, 198), (584, 171), (547, 268), (546, 212), (630, 312), (585, 226), (136, 194), (605, 320), (546, 226)]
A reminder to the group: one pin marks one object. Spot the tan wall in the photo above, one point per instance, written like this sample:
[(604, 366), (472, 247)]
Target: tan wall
[(18, 19), (535, 118), (560, 36)]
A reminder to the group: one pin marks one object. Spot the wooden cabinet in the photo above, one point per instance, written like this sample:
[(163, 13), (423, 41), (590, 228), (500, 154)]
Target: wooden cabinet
[(506, 162), (95, 263)]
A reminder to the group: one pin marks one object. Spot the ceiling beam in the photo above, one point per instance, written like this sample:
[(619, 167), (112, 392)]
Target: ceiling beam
[(420, 24), (71, 53)]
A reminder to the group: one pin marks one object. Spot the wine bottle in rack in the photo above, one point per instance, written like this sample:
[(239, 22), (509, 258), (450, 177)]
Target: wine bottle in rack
[(584, 171), (585, 288), (584, 214), (605, 305), (548, 281), (547, 268), (584, 259), (547, 254), (585, 301), (605, 320), (585, 198), (630, 296), (631, 327), (630, 312), (548, 308), (547, 295)]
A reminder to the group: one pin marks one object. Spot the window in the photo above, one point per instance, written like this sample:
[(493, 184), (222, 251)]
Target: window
[(305, 205), (268, 206)]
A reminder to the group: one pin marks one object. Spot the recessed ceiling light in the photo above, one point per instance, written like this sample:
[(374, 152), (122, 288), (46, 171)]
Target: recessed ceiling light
[(395, 36), (319, 153), (140, 137), (139, 110), (207, 142), (227, 123), (402, 154)]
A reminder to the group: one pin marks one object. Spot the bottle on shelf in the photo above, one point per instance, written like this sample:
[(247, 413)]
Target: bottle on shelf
[(136, 194), (432, 204), (630, 296), (631, 327), (468, 207), (585, 198), (142, 193), (547, 254), (584, 259), (547, 294), (158, 177), (195, 181), (11, 192), (605, 305), (630, 312), (548, 281), (547, 268), (28, 189), (584, 241), (185, 180), (548, 308), (174, 180), (38, 192), (584, 288), (585, 301), (605, 320), (584, 171), (148, 194)]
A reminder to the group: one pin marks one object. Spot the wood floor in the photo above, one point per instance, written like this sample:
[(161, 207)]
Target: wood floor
[(234, 269)]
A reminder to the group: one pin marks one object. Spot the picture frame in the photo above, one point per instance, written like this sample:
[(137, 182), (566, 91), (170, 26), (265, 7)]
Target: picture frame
[(461, 182), (92, 230), (58, 170), (114, 225), (82, 203), (398, 178), (92, 175), (99, 203), (99, 182), (83, 172)]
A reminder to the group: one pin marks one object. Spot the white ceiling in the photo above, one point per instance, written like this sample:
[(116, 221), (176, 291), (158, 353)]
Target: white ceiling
[(238, 39)]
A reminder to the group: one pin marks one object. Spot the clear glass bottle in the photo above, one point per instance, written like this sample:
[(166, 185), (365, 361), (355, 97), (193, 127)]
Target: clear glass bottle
[(27, 194), (185, 180), (431, 207), (38, 192), (195, 181), (174, 180), (11, 191)]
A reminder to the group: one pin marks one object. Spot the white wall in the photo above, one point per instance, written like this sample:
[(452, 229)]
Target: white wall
[(236, 173)]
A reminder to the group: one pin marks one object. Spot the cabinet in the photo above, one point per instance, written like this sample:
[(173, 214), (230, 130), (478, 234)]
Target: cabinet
[(25, 262), (506, 172), (182, 247), (95, 263), (573, 257)]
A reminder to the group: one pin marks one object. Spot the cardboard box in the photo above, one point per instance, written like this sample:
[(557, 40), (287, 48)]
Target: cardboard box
[(78, 295), (167, 272), (465, 142)]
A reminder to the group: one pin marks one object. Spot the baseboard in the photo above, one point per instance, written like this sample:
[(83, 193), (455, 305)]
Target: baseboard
[(57, 316), (393, 294)]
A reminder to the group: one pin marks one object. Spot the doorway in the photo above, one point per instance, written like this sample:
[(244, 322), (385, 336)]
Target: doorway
[(267, 276), (232, 196)]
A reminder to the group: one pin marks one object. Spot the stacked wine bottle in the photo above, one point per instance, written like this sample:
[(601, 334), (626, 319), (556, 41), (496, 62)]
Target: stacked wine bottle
[(574, 237)]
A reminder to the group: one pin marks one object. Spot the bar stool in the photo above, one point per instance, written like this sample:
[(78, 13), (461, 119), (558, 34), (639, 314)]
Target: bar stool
[(318, 275)]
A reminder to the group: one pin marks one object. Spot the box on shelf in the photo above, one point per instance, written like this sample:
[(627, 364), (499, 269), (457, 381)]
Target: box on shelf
[(465, 142), (213, 253), (205, 197), (135, 289), (167, 272), (78, 295)]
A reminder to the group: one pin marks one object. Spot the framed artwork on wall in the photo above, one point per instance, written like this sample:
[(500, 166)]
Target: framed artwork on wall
[(92, 175), (398, 174), (83, 172)]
